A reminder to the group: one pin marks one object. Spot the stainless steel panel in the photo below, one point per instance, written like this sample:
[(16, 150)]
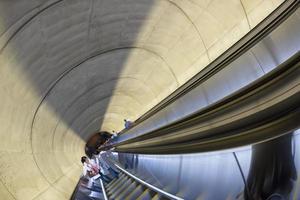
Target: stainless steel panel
[(235, 76), (268, 168), (280, 45), (192, 176), (274, 49)]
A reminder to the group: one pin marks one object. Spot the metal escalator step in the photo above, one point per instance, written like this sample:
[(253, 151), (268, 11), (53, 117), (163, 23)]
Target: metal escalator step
[(117, 183), (121, 175), (126, 192), (145, 195), (114, 181), (117, 186), (121, 188), (135, 193), (161, 197), (156, 197)]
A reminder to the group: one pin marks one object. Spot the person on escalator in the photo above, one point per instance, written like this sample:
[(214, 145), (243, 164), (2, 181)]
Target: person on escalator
[(128, 124), (89, 168), (92, 170), (114, 134), (110, 140), (106, 176), (106, 164)]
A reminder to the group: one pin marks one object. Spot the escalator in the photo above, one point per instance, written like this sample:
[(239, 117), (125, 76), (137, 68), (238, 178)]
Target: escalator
[(129, 187), (204, 115), (262, 110), (125, 187)]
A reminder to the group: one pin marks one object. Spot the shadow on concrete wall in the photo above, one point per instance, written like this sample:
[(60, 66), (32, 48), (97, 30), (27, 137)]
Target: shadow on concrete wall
[(55, 62)]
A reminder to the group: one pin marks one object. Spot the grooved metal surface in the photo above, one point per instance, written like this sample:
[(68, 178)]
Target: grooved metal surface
[(217, 176), (266, 55)]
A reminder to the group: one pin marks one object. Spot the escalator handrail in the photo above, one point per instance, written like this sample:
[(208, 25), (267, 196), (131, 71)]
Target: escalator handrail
[(103, 190), (283, 115), (245, 43)]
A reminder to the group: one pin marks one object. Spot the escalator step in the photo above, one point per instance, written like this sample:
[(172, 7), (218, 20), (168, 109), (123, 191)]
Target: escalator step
[(156, 197), (135, 193), (127, 191), (115, 181), (112, 182), (119, 185), (145, 195), (161, 197), (121, 188)]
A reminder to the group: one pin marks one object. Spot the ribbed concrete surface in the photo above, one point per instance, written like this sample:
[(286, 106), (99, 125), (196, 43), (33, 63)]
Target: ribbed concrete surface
[(68, 68)]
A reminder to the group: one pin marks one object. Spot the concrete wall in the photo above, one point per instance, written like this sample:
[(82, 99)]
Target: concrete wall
[(71, 67)]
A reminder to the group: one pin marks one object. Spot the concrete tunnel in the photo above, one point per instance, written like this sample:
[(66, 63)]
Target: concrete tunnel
[(69, 68)]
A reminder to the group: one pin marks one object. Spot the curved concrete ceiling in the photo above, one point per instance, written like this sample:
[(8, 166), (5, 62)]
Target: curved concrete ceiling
[(71, 67)]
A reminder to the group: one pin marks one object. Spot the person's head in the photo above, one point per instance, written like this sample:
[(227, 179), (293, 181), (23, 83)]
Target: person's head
[(89, 151), (125, 120), (97, 152), (84, 159)]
